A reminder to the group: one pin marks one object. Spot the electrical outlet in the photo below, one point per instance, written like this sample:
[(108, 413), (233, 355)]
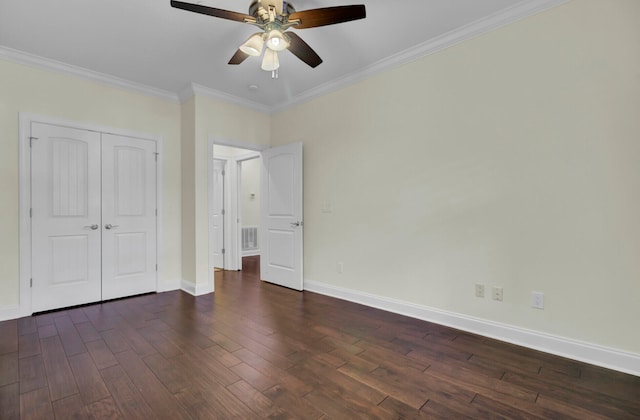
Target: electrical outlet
[(497, 293), (537, 300), (479, 290), (340, 267)]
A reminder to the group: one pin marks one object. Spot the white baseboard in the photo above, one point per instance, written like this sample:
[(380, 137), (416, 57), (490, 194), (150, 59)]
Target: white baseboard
[(9, 312), (561, 346), (196, 289), (251, 253)]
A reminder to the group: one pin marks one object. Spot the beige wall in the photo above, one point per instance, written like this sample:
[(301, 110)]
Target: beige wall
[(512, 159), (30, 90), (221, 122), (188, 161)]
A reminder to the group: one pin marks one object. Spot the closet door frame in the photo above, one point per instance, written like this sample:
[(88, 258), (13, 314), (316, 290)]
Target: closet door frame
[(25, 121)]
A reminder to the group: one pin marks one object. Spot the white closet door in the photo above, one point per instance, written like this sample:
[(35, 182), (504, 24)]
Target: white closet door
[(65, 189), (128, 216)]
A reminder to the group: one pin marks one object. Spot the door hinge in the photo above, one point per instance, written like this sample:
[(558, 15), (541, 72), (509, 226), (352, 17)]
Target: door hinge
[(156, 267), (31, 139), (156, 212), (223, 212), (31, 213), (223, 250), (223, 172), (30, 282), (156, 154)]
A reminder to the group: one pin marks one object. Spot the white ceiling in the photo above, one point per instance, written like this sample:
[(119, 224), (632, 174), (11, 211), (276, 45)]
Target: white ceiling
[(149, 43)]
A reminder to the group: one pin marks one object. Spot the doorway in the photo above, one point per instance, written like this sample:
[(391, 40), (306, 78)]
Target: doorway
[(235, 208)]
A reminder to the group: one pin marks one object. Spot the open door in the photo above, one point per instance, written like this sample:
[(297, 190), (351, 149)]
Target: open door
[(281, 221)]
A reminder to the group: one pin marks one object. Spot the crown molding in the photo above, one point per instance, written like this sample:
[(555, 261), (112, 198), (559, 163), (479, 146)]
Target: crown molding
[(519, 11), (21, 57), (195, 89), (479, 27)]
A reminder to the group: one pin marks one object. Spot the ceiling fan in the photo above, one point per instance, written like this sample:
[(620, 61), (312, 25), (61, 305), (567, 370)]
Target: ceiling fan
[(274, 18)]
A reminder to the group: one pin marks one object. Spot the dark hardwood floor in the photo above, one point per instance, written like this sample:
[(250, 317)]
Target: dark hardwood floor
[(255, 350)]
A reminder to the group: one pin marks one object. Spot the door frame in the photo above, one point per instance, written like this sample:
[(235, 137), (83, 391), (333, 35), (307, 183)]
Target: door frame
[(231, 243), (24, 180), (225, 206)]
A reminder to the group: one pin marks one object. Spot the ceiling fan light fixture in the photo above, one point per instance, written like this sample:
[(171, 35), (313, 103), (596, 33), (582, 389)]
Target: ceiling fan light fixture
[(253, 46), (274, 18), (270, 60), (276, 40)]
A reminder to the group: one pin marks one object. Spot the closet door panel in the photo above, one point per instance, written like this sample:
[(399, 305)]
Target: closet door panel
[(128, 216), (65, 223)]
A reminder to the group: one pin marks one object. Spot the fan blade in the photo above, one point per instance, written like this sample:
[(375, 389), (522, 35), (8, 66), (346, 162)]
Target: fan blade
[(313, 18), (303, 51), (211, 11), (238, 57)]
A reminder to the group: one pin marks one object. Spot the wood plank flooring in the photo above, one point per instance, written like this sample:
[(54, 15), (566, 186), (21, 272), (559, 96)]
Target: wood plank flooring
[(255, 350)]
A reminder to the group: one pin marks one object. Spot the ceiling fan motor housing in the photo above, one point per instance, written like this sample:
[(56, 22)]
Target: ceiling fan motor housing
[(257, 4)]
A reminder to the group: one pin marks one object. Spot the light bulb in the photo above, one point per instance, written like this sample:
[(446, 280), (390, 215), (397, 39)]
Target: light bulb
[(276, 40)]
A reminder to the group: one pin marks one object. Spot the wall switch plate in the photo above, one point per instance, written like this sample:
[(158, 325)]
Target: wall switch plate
[(537, 300), (496, 293), (479, 290)]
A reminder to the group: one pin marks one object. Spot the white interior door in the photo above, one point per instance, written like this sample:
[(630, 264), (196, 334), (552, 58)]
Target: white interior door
[(128, 216), (281, 218), (218, 213), (66, 234)]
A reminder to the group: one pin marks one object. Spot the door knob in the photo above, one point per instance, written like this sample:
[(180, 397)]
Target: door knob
[(92, 227), (109, 226), (296, 224)]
